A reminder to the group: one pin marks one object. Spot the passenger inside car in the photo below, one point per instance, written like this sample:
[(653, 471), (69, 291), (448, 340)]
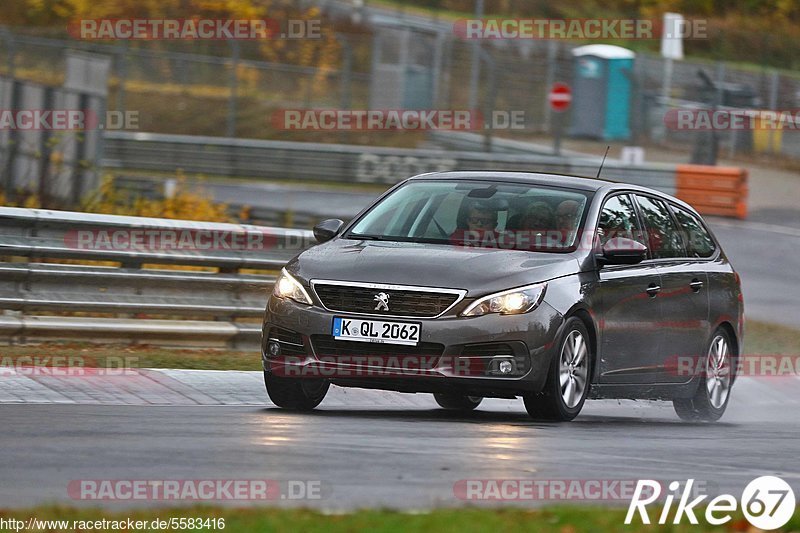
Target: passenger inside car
[(539, 217)]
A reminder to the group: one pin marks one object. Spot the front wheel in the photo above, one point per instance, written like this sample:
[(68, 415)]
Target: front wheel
[(457, 402), (711, 399), (299, 394), (568, 378)]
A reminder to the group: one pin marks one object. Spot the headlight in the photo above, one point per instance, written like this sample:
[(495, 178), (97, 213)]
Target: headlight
[(511, 302), (288, 287)]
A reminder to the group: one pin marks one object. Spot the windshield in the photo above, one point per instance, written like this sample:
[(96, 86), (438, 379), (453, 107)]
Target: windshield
[(477, 214)]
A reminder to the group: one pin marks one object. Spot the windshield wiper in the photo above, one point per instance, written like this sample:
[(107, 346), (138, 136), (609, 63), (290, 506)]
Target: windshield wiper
[(366, 237), (396, 238)]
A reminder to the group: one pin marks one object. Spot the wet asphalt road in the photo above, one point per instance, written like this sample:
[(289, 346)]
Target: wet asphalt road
[(367, 449)]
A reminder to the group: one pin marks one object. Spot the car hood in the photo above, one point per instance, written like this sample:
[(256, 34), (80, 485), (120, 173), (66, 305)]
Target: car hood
[(478, 270)]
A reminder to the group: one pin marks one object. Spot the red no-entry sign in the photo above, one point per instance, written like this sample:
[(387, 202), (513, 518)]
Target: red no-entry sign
[(560, 97)]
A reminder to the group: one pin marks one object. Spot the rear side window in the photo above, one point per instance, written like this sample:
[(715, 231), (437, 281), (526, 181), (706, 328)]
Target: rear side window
[(664, 238), (697, 239)]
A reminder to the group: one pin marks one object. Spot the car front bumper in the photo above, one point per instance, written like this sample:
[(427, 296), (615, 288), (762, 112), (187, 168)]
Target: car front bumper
[(455, 354)]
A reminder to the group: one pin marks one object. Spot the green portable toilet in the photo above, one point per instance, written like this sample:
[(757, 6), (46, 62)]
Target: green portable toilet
[(601, 92)]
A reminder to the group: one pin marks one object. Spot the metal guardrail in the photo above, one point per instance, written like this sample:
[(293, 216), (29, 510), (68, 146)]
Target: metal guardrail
[(344, 163), (136, 293), (285, 216)]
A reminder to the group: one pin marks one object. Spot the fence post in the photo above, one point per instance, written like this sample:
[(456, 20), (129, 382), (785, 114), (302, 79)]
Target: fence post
[(79, 165), (475, 67), (638, 109), (438, 50), (719, 101), (490, 101), (13, 141), (122, 75), (720, 80), (774, 82), (346, 71), (234, 82), (549, 79), (44, 154), (10, 49)]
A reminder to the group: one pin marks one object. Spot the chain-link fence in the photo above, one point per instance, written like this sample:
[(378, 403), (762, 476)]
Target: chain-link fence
[(228, 91), (50, 144), (223, 92), (518, 75)]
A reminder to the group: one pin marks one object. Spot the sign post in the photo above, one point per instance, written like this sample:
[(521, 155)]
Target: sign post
[(560, 98)]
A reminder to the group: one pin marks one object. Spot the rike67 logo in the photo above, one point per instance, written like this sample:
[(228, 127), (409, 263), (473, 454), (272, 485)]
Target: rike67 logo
[(767, 502)]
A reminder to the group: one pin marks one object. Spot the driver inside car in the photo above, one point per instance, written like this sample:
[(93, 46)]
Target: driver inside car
[(481, 227)]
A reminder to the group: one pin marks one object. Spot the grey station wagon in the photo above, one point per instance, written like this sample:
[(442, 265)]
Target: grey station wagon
[(468, 285)]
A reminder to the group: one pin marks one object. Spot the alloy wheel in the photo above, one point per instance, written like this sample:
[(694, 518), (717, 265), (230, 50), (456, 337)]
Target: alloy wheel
[(573, 368), (718, 372)]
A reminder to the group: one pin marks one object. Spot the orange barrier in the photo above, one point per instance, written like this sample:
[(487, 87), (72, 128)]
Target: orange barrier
[(713, 190)]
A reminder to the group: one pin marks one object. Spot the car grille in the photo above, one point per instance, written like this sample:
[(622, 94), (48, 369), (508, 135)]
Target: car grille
[(407, 302), (423, 355)]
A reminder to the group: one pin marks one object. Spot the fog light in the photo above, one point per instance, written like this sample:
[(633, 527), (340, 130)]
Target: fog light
[(274, 348), (501, 365)]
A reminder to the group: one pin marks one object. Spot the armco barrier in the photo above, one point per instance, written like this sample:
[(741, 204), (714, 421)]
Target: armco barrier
[(711, 190), (148, 287), (299, 161)]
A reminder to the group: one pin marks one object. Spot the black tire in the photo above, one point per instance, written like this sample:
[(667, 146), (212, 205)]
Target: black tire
[(550, 403), (298, 394), (457, 402), (701, 407)]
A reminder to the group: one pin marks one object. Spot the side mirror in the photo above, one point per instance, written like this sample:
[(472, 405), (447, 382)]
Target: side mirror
[(622, 251), (327, 229)]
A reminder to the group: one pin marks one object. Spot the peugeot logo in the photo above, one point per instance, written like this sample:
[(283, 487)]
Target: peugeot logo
[(383, 301)]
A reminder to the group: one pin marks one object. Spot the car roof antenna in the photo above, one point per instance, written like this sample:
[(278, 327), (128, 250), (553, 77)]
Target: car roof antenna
[(603, 162)]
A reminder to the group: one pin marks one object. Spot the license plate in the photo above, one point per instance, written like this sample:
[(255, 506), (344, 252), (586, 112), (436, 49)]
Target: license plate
[(380, 331)]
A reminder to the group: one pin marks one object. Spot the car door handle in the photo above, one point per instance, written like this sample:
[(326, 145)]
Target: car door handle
[(653, 290), (696, 285)]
